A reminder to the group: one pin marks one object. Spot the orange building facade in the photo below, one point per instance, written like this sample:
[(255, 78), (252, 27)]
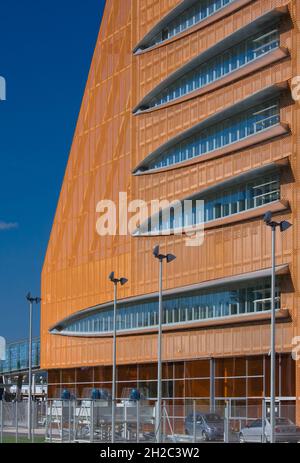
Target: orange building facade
[(184, 99)]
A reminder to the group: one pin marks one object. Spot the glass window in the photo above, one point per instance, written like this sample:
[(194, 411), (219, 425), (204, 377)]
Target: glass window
[(127, 373), (124, 389), (68, 375), (54, 376), (197, 388), (263, 190), (185, 308), (219, 66), (102, 373), (227, 132), (255, 366), (148, 389), (179, 370), (167, 371), (82, 391), (255, 387), (230, 387), (188, 18), (197, 369), (288, 380), (17, 356), (147, 371), (230, 367), (84, 375)]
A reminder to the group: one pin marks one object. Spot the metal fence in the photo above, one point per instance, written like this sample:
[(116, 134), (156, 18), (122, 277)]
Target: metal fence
[(182, 420), (14, 419)]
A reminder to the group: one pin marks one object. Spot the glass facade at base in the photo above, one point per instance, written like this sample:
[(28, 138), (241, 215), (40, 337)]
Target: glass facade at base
[(239, 377)]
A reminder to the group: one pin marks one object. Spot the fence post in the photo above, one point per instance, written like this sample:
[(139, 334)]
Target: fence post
[(194, 421), (62, 421), (2, 420), (226, 423), (157, 423), (92, 421), (17, 421), (263, 417), (164, 416), (69, 421), (50, 430), (33, 418), (125, 421), (74, 421), (137, 421)]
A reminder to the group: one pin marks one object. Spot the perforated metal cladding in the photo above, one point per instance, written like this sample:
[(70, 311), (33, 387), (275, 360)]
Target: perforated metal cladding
[(109, 142)]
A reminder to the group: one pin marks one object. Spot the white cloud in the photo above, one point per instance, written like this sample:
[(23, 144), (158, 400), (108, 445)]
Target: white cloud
[(8, 225)]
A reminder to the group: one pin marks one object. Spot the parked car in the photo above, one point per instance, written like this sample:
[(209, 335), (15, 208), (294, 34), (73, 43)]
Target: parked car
[(285, 431), (208, 426)]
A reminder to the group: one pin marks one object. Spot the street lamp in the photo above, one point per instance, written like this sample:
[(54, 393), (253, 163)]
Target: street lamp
[(31, 300), (283, 225), (169, 258), (122, 282)]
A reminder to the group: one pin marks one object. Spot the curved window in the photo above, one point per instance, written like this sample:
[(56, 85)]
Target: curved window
[(259, 192), (183, 308), (233, 200), (219, 66), (188, 18), (227, 132)]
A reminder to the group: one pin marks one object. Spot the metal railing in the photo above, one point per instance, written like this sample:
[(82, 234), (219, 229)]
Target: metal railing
[(182, 420), (14, 420)]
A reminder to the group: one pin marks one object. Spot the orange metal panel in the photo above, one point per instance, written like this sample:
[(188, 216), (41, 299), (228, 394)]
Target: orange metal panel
[(109, 142)]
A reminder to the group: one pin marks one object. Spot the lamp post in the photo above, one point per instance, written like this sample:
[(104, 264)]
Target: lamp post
[(169, 258), (122, 282), (31, 300), (283, 225)]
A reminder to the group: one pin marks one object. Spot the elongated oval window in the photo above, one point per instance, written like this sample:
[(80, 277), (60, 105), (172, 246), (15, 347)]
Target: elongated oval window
[(228, 132), (182, 308), (229, 201), (193, 15), (219, 66)]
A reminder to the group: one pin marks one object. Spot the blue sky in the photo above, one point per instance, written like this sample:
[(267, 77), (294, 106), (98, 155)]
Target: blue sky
[(45, 54)]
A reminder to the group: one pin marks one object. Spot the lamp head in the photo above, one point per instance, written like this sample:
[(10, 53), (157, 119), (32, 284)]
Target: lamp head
[(123, 281), (268, 217), (28, 297), (111, 276), (156, 251), (284, 225), (170, 257)]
